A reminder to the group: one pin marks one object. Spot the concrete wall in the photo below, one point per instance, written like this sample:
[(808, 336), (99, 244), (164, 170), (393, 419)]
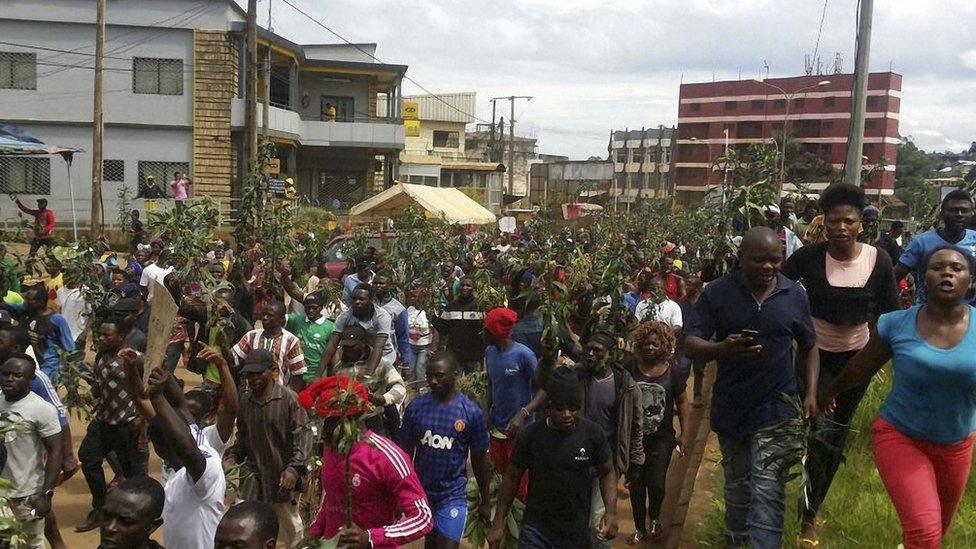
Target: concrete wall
[(129, 144), (187, 14), (341, 52), (421, 145), (64, 93), (315, 85)]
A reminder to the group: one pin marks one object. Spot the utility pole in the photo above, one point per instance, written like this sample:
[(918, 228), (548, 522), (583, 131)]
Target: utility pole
[(251, 86), (267, 82), (98, 124), (511, 137), (494, 157), (855, 139)]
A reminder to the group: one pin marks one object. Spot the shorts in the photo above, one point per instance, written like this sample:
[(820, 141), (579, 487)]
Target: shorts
[(449, 520)]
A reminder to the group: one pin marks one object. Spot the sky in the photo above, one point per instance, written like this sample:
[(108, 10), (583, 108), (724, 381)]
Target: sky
[(596, 66)]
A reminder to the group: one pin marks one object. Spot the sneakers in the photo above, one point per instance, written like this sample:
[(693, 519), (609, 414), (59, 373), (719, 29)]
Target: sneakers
[(637, 538), (657, 532), (92, 521)]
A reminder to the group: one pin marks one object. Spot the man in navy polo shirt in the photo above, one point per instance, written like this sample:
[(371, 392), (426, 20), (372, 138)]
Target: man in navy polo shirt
[(747, 320), (439, 430)]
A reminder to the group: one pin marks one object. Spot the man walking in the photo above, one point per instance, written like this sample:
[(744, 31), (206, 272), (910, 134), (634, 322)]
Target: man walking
[(247, 525), (116, 425), (273, 439), (401, 326), (48, 331), (133, 511), (283, 346), (559, 455), (33, 448), (460, 324), (440, 430), (889, 241), (748, 320)]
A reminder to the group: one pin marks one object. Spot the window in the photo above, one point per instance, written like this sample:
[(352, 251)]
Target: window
[(872, 100), (157, 76), (446, 139), (695, 107), (730, 105), (698, 131), (870, 124), (825, 149), (799, 103), (162, 171), (113, 170), (429, 180), (828, 124), (758, 104), (749, 130), (25, 175), (636, 155), (18, 71), (621, 156), (779, 104), (345, 108), (829, 101)]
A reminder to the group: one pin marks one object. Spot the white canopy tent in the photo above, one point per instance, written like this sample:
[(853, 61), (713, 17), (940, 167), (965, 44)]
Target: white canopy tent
[(443, 203)]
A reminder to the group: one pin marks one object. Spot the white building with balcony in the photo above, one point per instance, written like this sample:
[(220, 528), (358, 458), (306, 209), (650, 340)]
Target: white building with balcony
[(174, 101), (641, 163)]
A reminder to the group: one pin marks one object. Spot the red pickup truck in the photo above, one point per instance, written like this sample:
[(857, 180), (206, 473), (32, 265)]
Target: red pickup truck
[(336, 262)]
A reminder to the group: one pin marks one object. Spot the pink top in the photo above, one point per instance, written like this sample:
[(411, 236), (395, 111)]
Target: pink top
[(178, 187), (846, 274), (384, 486)]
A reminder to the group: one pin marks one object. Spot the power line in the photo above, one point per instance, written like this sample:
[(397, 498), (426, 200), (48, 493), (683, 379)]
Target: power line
[(373, 57), (823, 15)]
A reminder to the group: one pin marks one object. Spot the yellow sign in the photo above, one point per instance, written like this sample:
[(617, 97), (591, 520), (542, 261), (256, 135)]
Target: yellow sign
[(411, 128), (274, 166), (411, 110)]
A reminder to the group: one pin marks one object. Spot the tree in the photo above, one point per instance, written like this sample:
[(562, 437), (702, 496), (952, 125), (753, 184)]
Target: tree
[(914, 166)]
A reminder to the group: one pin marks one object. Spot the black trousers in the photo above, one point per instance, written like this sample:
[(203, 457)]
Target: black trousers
[(826, 445), (36, 244), (647, 487), (100, 439)]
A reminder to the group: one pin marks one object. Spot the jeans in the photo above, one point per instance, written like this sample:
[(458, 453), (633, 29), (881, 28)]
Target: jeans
[(826, 448), (755, 499), (534, 536), (418, 364), (647, 485), (924, 479), (100, 439), (597, 509)]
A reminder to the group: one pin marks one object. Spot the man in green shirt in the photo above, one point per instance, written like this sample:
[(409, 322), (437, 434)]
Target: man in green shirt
[(313, 330)]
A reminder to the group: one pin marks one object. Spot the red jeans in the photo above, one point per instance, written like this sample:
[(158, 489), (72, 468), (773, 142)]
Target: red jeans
[(500, 453), (924, 479)]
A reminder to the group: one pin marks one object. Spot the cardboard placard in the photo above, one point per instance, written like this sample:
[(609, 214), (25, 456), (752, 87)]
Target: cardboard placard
[(162, 318)]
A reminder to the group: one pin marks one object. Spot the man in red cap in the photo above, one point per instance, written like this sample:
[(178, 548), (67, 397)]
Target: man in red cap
[(512, 392), (382, 479)]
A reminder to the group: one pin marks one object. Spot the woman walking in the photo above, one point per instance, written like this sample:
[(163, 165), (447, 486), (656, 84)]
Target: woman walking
[(922, 438), (850, 285), (662, 395)]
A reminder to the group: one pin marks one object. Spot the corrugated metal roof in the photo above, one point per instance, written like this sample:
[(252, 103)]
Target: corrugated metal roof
[(445, 107)]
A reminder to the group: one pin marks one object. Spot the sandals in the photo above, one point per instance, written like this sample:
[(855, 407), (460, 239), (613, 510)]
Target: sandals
[(637, 538), (807, 542)]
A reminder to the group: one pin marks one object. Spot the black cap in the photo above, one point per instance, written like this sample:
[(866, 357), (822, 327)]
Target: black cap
[(257, 361), (353, 335), (126, 305), (6, 317)]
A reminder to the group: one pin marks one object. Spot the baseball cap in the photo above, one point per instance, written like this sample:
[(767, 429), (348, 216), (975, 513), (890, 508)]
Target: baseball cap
[(257, 361), (353, 335), (126, 305)]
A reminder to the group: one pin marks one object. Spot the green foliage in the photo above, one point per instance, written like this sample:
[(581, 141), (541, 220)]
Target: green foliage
[(188, 233), (476, 530), (914, 166), (125, 211)]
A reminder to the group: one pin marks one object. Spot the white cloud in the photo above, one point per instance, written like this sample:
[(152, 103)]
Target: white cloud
[(596, 65)]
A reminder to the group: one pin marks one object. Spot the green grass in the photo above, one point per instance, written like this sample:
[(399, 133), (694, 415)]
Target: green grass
[(858, 510)]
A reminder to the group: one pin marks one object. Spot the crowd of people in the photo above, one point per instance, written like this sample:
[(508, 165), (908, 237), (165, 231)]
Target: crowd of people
[(271, 388)]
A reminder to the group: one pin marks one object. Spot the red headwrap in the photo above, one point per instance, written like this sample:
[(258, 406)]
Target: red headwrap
[(499, 322), (335, 396)]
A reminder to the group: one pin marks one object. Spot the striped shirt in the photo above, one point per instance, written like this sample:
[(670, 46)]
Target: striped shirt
[(285, 348), (461, 322), (384, 487)]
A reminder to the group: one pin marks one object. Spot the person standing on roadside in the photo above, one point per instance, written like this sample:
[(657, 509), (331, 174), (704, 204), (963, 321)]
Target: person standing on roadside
[(558, 455), (44, 224), (440, 430), (179, 187), (748, 321), (32, 450), (850, 284)]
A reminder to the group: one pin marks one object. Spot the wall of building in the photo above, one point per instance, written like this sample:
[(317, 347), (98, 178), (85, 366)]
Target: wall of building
[(314, 85), (424, 145), (131, 145), (214, 86)]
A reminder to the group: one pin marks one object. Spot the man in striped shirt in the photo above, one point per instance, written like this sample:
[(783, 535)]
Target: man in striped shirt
[(284, 346)]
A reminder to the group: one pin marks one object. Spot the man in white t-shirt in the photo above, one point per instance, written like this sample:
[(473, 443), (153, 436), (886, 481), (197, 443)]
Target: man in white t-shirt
[(33, 449), (658, 307), (153, 272), (195, 489)]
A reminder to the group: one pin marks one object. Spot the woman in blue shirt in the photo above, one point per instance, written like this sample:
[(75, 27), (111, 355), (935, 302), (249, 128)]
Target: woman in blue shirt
[(923, 441)]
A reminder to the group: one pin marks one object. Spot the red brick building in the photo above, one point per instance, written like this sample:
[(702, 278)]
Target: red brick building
[(817, 116)]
